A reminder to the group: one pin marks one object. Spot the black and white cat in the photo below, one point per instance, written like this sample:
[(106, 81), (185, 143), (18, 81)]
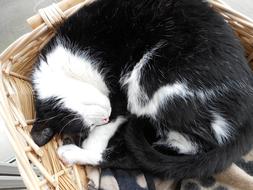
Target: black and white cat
[(160, 85)]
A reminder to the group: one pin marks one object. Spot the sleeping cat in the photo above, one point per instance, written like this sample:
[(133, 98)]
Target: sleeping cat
[(160, 85)]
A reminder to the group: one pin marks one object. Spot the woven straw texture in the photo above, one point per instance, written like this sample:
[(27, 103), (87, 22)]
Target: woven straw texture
[(40, 167)]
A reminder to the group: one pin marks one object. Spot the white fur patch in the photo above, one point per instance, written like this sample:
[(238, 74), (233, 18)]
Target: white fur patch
[(182, 143), (99, 137), (221, 128), (93, 147), (72, 154), (136, 94), (132, 79), (162, 95), (74, 79), (159, 98)]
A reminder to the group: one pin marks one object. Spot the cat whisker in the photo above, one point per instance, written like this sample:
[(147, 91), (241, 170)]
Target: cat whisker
[(75, 119), (53, 117), (69, 115), (48, 119)]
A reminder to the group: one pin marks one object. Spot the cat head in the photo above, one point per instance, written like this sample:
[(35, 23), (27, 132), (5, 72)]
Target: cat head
[(70, 95)]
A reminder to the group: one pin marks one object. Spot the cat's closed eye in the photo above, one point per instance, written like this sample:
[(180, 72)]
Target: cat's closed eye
[(95, 115)]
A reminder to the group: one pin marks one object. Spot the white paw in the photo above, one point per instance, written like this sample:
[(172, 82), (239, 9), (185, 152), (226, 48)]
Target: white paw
[(69, 154)]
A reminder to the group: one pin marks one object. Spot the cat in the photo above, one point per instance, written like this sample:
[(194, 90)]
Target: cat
[(161, 85)]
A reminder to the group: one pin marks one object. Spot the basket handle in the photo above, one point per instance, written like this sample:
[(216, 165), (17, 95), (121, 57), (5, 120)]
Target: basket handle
[(63, 5)]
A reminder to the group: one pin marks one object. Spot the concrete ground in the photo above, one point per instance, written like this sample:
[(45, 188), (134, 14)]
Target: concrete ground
[(13, 14), (243, 6)]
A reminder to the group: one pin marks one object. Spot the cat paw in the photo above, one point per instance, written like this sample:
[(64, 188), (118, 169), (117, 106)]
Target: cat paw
[(69, 154)]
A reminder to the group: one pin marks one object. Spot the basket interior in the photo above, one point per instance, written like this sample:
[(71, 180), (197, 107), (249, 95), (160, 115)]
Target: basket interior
[(17, 107)]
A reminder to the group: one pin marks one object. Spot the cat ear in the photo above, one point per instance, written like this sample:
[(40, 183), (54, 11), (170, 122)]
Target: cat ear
[(41, 134)]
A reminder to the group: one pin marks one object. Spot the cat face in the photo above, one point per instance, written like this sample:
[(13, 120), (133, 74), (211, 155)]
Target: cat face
[(57, 116), (92, 106), (95, 112)]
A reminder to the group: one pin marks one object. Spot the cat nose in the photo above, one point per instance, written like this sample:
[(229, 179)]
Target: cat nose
[(105, 120)]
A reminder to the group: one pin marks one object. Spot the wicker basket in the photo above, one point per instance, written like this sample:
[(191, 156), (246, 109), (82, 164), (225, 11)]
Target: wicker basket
[(17, 107)]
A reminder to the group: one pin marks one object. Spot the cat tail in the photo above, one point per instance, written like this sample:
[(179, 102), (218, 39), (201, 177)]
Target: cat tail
[(183, 166)]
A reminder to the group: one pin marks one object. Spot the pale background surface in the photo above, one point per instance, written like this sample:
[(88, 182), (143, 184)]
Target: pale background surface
[(13, 14)]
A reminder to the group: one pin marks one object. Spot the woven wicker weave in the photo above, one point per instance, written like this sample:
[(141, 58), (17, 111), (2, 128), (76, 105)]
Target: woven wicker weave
[(17, 107)]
